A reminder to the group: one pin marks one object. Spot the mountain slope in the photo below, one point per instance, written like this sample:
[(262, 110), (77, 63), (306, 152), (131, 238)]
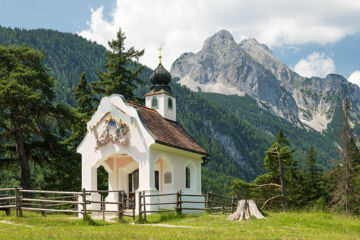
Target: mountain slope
[(247, 108), (67, 55), (224, 66)]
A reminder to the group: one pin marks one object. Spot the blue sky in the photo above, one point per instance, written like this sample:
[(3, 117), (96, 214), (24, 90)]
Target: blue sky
[(312, 37), (345, 53), (64, 15)]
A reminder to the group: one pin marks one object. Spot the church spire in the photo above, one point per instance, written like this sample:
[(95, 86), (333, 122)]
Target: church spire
[(160, 77), (160, 96), (160, 54)]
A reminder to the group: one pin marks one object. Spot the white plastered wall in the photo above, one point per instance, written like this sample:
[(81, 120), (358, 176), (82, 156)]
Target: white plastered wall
[(143, 152), (175, 160), (136, 148)]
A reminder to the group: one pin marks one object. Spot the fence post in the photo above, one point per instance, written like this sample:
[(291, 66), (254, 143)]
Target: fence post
[(120, 206), (102, 206), (207, 205), (144, 206), (178, 202), (43, 213), (76, 199), (20, 201), (210, 199), (232, 203), (8, 203), (133, 207), (139, 207), (84, 203), (17, 201)]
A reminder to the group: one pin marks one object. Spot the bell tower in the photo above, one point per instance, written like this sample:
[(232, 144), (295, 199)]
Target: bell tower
[(160, 96)]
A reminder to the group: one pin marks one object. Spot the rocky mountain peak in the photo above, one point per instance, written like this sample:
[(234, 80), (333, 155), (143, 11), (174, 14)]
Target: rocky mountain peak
[(221, 38), (225, 67), (224, 35), (253, 47)]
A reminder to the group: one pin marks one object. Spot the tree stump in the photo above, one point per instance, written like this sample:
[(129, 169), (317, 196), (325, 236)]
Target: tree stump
[(244, 210)]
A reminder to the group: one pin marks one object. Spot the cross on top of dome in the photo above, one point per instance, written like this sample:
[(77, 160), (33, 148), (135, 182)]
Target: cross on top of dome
[(160, 77)]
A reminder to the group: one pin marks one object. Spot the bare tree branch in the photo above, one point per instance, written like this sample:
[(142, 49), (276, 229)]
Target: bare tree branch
[(270, 199), (268, 184)]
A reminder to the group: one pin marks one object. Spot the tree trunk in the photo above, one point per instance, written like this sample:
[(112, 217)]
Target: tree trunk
[(245, 209), (24, 161), (20, 150)]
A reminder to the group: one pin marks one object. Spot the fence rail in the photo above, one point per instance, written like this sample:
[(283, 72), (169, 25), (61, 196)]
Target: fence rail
[(43, 201), (222, 203), (34, 200)]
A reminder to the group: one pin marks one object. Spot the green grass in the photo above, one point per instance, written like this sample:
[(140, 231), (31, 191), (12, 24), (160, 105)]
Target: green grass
[(291, 225)]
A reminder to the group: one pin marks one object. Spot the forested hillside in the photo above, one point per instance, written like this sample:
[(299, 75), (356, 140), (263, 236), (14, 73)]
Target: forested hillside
[(67, 55), (248, 109), (229, 128)]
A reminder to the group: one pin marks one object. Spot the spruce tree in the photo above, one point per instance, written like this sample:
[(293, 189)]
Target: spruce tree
[(122, 70), (27, 109), (277, 159), (85, 107), (312, 177), (83, 96), (346, 194)]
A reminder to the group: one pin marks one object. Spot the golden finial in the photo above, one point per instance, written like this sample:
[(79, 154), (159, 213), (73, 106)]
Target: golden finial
[(160, 54)]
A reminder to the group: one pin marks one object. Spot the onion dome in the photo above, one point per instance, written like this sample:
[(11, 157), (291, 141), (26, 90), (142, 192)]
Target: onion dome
[(160, 78)]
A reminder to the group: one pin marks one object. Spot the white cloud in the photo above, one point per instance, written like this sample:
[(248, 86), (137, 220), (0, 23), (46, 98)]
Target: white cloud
[(355, 78), (315, 65), (182, 25)]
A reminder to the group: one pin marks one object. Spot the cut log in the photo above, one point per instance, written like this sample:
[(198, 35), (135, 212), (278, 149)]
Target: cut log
[(244, 210)]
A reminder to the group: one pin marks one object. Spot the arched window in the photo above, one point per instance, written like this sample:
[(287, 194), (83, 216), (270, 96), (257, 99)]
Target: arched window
[(154, 102), (170, 103), (187, 177)]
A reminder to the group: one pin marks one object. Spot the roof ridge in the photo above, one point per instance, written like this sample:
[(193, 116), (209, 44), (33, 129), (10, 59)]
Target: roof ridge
[(142, 106)]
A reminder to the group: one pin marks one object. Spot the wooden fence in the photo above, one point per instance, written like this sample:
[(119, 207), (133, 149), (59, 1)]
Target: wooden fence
[(68, 202), (61, 202), (213, 203)]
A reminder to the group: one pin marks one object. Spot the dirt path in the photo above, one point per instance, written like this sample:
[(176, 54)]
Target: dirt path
[(171, 226), (15, 224)]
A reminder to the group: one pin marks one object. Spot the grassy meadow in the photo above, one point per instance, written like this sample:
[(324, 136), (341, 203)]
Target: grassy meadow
[(291, 225)]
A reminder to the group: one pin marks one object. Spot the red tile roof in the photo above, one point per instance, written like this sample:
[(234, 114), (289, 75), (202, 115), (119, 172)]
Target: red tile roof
[(167, 132)]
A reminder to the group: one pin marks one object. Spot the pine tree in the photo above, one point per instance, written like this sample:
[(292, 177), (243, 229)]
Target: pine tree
[(85, 107), (281, 171), (122, 70), (346, 190), (27, 108), (278, 158), (83, 96), (312, 177)]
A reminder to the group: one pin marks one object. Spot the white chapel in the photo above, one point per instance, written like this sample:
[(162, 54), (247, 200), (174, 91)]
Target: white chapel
[(142, 148)]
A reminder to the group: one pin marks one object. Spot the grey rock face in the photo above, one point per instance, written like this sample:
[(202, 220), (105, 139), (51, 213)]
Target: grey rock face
[(222, 64), (248, 67)]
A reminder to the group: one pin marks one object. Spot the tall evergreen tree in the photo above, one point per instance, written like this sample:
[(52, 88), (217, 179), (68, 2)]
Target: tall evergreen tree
[(27, 108), (277, 158), (281, 170), (83, 96), (347, 174), (122, 70), (312, 177), (85, 106)]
